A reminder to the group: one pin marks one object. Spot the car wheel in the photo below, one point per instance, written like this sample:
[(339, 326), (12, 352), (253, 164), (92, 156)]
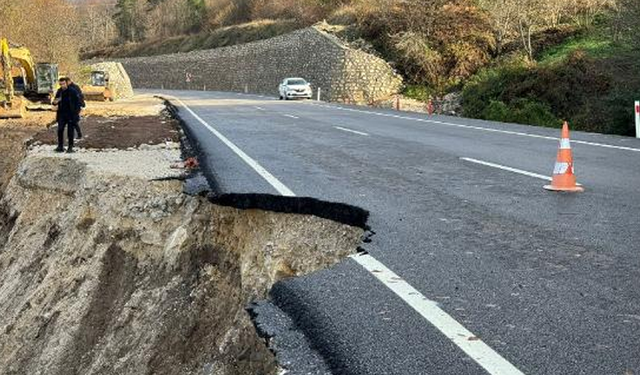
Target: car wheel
[(281, 98)]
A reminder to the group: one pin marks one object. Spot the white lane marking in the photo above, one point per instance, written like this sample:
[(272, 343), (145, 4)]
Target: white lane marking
[(603, 145), (291, 116), (514, 170), (505, 168), (473, 346), (454, 331), (271, 179), (351, 131), (259, 108)]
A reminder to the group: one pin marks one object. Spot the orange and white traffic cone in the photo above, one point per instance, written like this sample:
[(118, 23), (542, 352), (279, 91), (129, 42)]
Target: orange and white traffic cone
[(564, 178)]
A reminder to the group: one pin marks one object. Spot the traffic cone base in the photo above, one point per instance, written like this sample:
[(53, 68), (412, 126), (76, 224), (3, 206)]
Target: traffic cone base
[(576, 189)]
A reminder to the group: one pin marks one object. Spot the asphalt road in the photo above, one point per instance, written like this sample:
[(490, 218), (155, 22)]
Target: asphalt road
[(550, 282)]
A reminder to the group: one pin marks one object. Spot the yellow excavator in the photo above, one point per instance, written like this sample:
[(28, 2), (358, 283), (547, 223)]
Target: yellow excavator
[(22, 78)]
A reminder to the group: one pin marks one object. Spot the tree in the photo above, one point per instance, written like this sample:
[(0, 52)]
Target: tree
[(584, 12), (28, 23), (130, 19), (503, 14), (97, 23)]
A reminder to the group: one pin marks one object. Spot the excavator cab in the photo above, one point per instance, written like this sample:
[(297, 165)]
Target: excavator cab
[(47, 78)]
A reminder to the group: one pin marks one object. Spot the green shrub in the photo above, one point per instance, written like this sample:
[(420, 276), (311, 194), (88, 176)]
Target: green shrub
[(577, 90), (526, 111), (497, 111), (418, 92)]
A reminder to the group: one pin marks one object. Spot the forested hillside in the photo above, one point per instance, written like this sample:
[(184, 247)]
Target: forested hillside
[(528, 61)]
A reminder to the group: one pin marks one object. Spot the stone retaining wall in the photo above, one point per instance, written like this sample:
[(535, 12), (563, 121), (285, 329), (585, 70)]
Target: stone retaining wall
[(342, 73)]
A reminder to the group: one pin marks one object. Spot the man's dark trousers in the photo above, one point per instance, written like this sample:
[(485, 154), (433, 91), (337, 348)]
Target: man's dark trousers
[(71, 125)]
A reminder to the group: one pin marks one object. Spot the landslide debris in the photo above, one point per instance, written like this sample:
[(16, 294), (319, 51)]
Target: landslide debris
[(106, 267)]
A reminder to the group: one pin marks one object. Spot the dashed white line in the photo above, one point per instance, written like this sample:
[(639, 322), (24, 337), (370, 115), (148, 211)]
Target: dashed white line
[(291, 116), (509, 169), (472, 345), (521, 134), (259, 108), (271, 179), (351, 131), (505, 168)]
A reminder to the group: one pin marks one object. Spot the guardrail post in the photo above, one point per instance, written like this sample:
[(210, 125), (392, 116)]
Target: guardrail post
[(638, 119)]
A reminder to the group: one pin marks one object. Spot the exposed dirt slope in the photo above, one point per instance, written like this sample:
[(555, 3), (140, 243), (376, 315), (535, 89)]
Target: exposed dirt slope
[(108, 271)]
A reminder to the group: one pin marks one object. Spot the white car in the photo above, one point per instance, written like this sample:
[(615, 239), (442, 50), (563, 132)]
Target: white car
[(294, 88)]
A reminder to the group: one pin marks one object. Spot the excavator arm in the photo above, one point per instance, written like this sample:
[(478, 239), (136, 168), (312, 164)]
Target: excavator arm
[(5, 67), (23, 57), (11, 106)]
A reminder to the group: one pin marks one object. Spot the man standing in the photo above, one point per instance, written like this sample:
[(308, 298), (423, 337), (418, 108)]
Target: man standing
[(72, 85), (69, 105)]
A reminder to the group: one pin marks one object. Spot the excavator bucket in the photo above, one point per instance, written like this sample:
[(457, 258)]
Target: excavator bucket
[(94, 93), (17, 108)]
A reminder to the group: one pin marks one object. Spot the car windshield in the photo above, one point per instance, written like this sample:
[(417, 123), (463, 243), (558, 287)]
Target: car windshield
[(296, 82)]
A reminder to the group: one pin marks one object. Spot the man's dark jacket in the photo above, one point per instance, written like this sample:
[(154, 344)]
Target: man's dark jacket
[(69, 106), (73, 85)]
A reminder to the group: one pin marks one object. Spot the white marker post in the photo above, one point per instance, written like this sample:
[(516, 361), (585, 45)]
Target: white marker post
[(319, 90), (637, 119)]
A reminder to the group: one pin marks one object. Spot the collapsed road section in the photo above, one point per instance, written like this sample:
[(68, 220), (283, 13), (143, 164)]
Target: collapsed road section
[(107, 266)]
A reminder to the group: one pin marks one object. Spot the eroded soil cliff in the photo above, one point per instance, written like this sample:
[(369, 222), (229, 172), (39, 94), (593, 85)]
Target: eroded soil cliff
[(108, 268)]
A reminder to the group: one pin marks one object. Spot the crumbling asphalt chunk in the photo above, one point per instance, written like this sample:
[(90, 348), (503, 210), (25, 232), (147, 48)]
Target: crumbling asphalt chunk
[(338, 212), (291, 347)]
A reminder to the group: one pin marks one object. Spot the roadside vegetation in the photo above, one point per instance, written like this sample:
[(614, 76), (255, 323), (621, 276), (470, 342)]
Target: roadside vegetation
[(528, 61)]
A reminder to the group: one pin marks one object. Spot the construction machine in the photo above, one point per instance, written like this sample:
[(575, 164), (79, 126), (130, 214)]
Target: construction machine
[(100, 88), (23, 80)]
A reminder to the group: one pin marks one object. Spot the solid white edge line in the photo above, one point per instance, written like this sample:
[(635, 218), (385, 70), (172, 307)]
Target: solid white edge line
[(473, 346), (505, 168), (271, 179), (603, 145), (351, 131)]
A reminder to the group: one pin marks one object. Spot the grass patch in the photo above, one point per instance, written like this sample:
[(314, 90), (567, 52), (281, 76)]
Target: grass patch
[(594, 45)]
